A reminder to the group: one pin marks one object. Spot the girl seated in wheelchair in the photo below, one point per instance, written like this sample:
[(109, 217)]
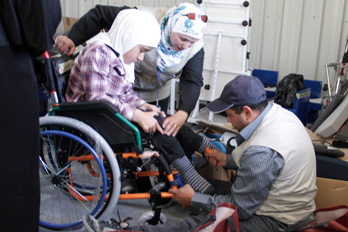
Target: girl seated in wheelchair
[(104, 70)]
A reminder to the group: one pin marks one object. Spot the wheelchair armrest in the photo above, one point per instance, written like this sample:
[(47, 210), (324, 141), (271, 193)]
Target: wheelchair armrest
[(88, 105), (104, 117)]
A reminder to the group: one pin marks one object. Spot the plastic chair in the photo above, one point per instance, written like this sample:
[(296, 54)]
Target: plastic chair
[(301, 105), (315, 104), (269, 79)]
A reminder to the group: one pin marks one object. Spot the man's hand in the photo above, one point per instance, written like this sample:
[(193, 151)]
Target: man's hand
[(215, 157), (183, 195), (65, 45), (172, 124)]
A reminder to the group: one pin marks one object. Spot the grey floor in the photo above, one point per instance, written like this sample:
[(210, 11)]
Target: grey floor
[(136, 208)]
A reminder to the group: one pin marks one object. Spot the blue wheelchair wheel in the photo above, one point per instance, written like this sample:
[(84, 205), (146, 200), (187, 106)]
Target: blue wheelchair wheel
[(73, 177)]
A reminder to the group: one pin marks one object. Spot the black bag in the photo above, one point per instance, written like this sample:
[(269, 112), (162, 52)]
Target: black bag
[(287, 88), (62, 65)]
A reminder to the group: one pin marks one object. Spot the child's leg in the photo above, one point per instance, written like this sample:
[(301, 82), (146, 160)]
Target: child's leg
[(190, 176), (192, 142), (173, 152)]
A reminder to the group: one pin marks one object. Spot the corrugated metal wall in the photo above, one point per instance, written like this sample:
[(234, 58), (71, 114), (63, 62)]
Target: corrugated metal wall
[(298, 36), (289, 36)]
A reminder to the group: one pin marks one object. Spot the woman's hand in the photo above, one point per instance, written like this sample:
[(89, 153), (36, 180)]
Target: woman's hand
[(65, 45), (172, 124), (147, 121)]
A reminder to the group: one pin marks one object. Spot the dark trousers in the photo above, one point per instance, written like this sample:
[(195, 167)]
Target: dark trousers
[(185, 143), (188, 139), (19, 141), (189, 224)]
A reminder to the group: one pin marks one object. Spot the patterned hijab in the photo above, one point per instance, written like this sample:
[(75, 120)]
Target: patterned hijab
[(131, 28), (176, 20)]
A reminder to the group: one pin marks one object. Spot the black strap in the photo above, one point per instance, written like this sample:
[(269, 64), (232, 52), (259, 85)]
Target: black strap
[(232, 225), (301, 224), (206, 219), (316, 225), (116, 53)]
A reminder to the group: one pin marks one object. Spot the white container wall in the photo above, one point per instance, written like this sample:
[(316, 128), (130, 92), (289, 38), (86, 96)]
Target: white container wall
[(289, 36), (225, 44), (298, 36)]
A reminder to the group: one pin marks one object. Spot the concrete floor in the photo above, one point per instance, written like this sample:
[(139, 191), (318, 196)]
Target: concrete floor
[(136, 208)]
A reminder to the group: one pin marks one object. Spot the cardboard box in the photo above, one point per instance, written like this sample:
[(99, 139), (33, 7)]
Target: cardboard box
[(217, 173), (65, 25), (331, 193), (69, 22)]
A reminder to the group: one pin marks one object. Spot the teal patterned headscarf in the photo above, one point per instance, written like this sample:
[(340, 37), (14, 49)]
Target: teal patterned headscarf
[(176, 21)]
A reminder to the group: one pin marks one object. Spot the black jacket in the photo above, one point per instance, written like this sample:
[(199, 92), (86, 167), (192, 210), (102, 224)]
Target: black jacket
[(30, 23)]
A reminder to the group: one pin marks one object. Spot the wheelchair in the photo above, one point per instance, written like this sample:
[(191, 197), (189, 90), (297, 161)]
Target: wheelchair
[(89, 153)]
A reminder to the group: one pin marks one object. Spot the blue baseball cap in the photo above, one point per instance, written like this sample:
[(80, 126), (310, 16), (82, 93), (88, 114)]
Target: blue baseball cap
[(242, 90)]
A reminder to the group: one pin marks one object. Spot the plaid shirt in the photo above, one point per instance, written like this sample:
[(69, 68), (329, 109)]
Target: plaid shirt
[(98, 74)]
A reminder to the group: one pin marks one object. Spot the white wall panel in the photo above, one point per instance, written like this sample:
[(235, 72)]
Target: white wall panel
[(80, 6), (70, 8), (225, 54), (298, 36), (311, 27), (84, 6), (289, 36)]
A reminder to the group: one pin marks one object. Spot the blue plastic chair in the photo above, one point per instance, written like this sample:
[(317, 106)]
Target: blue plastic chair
[(314, 107), (301, 105), (269, 79)]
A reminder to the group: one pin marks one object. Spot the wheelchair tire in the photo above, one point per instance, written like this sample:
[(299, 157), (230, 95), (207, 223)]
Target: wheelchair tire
[(72, 182)]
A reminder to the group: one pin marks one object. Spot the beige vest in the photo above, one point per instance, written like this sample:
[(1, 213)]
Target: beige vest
[(291, 197)]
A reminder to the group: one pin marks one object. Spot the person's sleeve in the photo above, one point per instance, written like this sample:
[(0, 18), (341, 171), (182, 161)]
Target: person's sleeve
[(259, 167), (31, 23), (191, 82), (98, 18), (230, 163)]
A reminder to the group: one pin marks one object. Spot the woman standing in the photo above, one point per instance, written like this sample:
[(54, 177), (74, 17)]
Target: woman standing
[(26, 31)]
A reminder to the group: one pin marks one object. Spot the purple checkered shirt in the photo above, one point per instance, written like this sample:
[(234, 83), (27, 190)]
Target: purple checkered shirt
[(98, 74)]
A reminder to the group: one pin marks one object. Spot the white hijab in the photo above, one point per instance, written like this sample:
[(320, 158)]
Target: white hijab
[(176, 21), (130, 28)]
